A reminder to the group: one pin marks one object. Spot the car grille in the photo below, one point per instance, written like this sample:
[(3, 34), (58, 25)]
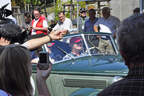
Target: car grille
[(98, 84)]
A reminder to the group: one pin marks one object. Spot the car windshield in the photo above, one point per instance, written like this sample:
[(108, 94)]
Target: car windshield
[(76, 46)]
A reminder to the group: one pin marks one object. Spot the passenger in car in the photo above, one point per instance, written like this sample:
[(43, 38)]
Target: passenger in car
[(76, 44), (130, 39)]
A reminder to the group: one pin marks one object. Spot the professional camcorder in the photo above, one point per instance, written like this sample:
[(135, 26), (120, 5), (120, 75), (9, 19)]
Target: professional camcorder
[(9, 29), (3, 14)]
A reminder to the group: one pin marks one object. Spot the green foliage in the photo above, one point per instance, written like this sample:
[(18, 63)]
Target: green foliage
[(82, 4), (27, 1), (36, 2), (20, 3), (39, 3), (59, 7)]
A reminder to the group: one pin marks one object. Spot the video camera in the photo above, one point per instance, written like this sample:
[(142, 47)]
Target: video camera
[(5, 13), (13, 31)]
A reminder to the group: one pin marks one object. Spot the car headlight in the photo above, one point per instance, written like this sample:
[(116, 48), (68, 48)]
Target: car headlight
[(116, 78)]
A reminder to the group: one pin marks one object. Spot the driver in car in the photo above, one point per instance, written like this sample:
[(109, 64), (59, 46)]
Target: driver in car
[(76, 44)]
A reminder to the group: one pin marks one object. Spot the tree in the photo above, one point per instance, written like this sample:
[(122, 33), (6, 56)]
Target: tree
[(59, 7), (33, 3)]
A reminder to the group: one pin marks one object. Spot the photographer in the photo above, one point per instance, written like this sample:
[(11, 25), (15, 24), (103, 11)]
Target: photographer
[(15, 79)]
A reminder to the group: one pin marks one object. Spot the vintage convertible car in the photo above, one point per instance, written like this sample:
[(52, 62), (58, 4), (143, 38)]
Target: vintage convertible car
[(98, 64)]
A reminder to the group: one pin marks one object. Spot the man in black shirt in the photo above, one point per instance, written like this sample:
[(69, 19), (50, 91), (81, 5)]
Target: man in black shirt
[(130, 39)]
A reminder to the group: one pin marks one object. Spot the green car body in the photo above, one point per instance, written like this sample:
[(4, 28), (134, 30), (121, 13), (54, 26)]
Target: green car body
[(86, 75)]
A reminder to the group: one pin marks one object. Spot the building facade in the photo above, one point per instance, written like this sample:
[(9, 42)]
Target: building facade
[(123, 8)]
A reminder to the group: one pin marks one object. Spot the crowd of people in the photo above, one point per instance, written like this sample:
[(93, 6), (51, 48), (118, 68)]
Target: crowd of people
[(15, 59), (87, 21), (90, 23)]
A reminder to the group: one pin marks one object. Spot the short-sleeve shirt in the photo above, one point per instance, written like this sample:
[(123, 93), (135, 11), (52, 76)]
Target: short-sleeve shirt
[(89, 25), (109, 25), (66, 25)]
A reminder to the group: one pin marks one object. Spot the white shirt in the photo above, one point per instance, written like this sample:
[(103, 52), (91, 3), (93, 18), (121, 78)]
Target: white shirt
[(66, 25), (108, 25), (34, 25)]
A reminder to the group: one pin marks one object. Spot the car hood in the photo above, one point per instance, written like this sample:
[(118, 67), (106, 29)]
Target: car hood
[(106, 65)]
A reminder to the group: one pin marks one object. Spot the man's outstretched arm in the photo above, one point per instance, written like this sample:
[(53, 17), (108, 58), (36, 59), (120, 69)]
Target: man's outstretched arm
[(34, 43), (41, 77)]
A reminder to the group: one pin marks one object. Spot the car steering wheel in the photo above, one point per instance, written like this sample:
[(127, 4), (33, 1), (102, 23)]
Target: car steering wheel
[(93, 49)]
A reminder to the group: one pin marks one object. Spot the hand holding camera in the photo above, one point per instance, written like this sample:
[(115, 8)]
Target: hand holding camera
[(43, 60)]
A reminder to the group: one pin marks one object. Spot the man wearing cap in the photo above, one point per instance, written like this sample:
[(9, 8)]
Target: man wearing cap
[(107, 23), (82, 18), (76, 44)]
